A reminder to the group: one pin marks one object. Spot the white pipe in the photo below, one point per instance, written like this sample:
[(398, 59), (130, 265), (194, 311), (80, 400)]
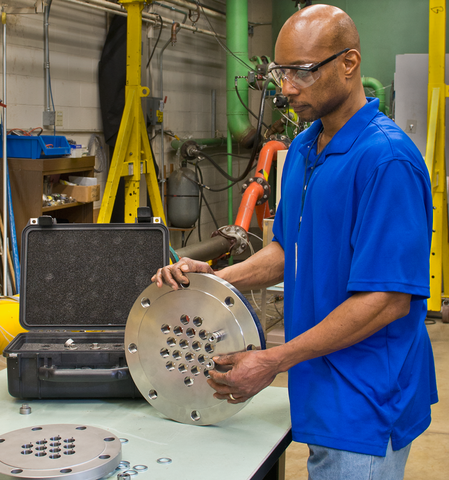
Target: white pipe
[(5, 166), (147, 17), (193, 6)]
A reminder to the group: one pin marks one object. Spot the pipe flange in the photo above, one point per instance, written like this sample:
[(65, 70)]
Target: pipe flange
[(266, 188), (279, 138), (236, 235), (189, 150)]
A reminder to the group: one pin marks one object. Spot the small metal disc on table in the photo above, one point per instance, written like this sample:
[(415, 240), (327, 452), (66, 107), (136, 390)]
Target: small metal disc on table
[(171, 337), (75, 452)]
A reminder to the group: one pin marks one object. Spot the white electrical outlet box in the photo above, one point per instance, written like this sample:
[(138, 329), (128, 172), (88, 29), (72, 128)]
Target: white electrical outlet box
[(59, 119)]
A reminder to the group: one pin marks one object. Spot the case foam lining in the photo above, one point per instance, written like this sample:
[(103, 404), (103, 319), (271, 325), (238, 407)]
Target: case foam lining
[(87, 277)]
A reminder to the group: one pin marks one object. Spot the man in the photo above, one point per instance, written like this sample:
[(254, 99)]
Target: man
[(352, 243)]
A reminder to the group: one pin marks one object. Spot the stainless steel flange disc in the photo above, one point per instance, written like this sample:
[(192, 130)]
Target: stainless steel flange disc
[(75, 452), (171, 337)]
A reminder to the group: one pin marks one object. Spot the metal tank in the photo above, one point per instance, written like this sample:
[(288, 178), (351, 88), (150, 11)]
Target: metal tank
[(183, 198)]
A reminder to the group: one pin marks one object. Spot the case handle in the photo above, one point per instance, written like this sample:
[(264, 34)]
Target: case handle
[(90, 375)]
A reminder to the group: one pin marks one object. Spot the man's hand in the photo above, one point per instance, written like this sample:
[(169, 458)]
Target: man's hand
[(242, 374), (174, 275)]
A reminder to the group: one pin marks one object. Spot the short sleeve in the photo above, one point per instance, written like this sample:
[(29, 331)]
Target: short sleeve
[(392, 232)]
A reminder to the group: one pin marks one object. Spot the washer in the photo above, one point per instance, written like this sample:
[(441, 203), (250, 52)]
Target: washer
[(171, 337)]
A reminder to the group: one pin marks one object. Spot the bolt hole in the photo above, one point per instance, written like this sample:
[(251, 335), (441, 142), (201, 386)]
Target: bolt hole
[(69, 452), (177, 355), (55, 439), (40, 454), (17, 470), (26, 445), (145, 302), (69, 440), (41, 442), (209, 348), (132, 348), (190, 332), (152, 394), (190, 357), (184, 344), (164, 353), (195, 370), (196, 345), (197, 321), (182, 368), (251, 347), (169, 366), (201, 359), (177, 330), (104, 457), (55, 444), (206, 373), (53, 457), (109, 439), (185, 319), (65, 470), (26, 452), (54, 450), (36, 428), (171, 342), (229, 301), (69, 446), (203, 334), (165, 328), (195, 415), (188, 381)]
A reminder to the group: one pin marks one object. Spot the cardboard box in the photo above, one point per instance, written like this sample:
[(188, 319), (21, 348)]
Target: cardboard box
[(78, 192)]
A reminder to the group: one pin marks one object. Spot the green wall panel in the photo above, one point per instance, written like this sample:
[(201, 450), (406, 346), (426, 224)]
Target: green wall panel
[(387, 28)]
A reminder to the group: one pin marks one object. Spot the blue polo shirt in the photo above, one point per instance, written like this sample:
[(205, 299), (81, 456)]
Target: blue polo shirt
[(366, 227)]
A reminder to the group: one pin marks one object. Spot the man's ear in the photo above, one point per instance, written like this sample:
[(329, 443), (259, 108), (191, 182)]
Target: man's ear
[(352, 60)]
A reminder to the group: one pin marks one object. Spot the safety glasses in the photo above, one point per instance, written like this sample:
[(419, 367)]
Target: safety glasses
[(300, 76)]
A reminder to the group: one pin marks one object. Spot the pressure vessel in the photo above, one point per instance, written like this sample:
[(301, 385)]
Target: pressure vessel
[(183, 198)]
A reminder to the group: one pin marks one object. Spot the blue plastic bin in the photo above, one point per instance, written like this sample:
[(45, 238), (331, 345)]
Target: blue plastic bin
[(44, 146)]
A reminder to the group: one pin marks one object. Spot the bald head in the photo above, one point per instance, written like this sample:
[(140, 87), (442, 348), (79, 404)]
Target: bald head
[(323, 29)]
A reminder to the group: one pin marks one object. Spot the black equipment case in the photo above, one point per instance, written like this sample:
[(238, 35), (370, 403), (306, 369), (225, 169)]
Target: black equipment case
[(77, 281)]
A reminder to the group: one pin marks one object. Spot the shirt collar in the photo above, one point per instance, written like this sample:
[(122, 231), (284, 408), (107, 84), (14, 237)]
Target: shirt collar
[(347, 135)]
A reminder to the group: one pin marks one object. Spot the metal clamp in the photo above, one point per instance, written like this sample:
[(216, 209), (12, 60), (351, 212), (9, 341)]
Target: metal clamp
[(237, 236)]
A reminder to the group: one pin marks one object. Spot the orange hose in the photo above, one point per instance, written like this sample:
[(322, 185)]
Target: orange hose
[(255, 191)]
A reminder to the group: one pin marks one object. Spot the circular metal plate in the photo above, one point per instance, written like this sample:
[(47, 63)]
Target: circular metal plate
[(171, 337), (77, 452)]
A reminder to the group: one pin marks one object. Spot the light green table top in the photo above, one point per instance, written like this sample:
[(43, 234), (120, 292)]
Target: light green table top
[(234, 449)]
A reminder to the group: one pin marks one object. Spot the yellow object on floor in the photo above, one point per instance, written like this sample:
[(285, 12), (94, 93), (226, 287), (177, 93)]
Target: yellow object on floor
[(9, 320)]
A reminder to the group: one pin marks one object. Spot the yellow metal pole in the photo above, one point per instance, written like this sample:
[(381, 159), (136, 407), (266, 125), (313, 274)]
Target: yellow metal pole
[(435, 158), (132, 154)]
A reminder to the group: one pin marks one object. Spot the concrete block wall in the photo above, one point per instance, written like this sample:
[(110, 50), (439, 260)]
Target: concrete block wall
[(191, 69)]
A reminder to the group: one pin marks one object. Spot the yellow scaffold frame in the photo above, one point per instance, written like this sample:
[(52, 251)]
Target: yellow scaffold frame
[(435, 158), (132, 154)]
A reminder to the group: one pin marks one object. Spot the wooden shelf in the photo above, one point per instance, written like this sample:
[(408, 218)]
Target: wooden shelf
[(27, 186), (61, 207)]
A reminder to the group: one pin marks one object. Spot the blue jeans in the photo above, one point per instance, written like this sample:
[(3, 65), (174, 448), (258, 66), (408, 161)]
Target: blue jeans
[(330, 464)]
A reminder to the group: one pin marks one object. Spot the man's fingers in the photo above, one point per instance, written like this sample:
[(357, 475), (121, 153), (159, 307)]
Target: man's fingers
[(218, 379), (175, 275)]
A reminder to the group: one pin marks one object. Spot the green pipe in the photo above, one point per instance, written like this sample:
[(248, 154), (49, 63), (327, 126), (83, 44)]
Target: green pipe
[(378, 88), (210, 142), (237, 42)]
